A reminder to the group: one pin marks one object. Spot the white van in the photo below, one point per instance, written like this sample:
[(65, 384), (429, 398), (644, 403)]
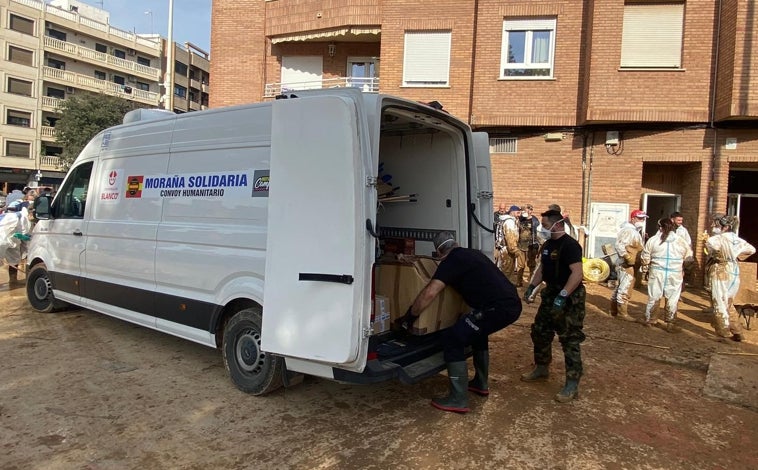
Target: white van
[(255, 228)]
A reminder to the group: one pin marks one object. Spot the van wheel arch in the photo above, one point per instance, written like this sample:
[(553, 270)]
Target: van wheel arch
[(39, 290), (252, 370)]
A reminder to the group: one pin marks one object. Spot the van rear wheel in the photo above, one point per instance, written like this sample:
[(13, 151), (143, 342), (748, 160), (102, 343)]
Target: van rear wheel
[(39, 290), (252, 370)]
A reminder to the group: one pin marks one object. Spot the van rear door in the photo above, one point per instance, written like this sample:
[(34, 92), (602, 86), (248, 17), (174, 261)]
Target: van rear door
[(317, 286), (481, 188)]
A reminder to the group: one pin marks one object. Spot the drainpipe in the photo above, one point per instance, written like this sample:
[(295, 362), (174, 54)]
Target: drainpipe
[(473, 65), (169, 81), (586, 208), (714, 147)]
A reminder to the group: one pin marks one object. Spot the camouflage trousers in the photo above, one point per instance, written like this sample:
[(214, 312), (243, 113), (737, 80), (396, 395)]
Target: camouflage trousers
[(567, 323)]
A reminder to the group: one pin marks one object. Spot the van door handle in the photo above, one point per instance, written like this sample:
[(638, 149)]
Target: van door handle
[(77, 233), (338, 278)]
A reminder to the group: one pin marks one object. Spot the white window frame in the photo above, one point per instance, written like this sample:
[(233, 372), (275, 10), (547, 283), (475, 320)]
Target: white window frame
[(426, 58), (528, 25), (652, 36)]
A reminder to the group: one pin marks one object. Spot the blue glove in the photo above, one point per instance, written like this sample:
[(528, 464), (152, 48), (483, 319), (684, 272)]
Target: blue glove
[(529, 292), (559, 303)]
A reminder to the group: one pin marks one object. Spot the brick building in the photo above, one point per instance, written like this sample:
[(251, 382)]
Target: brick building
[(599, 105)]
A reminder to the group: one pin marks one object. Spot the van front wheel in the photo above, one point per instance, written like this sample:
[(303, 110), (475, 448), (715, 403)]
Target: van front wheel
[(252, 370), (39, 290)]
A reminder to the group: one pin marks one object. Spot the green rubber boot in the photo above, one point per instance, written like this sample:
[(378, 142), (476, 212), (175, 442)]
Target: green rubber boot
[(539, 373), (479, 383), (457, 400), (569, 391)]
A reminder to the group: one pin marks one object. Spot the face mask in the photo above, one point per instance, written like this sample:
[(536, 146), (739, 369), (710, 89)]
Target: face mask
[(545, 232), (639, 224), (502, 216), (715, 230)]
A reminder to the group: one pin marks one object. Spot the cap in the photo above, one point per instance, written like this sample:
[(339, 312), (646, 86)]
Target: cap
[(554, 207), (514, 208), (638, 214), (443, 238)]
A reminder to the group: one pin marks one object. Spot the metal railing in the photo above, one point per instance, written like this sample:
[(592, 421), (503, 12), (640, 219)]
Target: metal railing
[(368, 85), (94, 56), (90, 23), (94, 84)]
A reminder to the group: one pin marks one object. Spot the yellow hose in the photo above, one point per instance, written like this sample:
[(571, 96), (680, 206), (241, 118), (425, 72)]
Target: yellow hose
[(595, 270)]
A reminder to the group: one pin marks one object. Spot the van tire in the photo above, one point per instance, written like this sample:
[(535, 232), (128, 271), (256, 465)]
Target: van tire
[(39, 290), (252, 370)]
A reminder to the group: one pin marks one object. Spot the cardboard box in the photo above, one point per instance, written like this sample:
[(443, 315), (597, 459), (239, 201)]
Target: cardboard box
[(747, 293), (401, 281), (382, 317)]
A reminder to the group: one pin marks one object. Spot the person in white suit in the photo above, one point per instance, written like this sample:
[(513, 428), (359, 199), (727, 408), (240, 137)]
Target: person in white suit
[(726, 248), (664, 256)]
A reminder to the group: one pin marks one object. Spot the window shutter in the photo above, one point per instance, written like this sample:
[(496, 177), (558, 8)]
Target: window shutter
[(652, 35), (17, 149), (19, 87), (20, 56), (427, 58)]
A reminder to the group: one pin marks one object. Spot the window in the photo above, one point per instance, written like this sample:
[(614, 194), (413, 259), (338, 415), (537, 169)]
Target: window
[(180, 91), (54, 33), (56, 93), (56, 64), (119, 53), (101, 48), (20, 56), (51, 121), (427, 58), (18, 118), (17, 149), (528, 48), (503, 144), (180, 68), (100, 75), (72, 197), (652, 35), (119, 79), (143, 86), (192, 96), (143, 61), (19, 87), (22, 25)]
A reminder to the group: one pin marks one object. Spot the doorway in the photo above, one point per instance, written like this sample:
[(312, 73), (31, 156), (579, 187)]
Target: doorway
[(657, 207), (745, 206), (363, 73)]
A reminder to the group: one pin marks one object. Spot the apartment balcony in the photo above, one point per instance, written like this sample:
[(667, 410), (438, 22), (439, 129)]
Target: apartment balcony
[(195, 84), (50, 103), (194, 106), (74, 51), (98, 29), (101, 86), (50, 163), (47, 132), (298, 20), (368, 85)]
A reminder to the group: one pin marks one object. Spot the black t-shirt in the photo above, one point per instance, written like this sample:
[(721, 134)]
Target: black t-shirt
[(557, 256), (476, 278)]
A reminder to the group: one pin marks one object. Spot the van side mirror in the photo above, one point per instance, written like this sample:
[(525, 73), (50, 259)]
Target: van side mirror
[(42, 206)]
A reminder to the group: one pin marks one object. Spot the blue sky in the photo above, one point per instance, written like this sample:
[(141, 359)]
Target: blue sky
[(192, 18)]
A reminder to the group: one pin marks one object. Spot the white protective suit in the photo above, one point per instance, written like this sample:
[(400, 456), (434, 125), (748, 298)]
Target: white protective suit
[(726, 248), (666, 275), (629, 235), (13, 249)]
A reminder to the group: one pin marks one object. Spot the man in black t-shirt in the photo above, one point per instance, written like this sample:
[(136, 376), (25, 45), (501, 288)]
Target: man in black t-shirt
[(562, 308), (495, 304)]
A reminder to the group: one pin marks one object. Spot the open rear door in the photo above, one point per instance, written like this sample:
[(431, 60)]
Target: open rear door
[(317, 290), (481, 187)]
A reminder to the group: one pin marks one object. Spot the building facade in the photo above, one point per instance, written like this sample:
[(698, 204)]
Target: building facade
[(54, 50), (601, 106)]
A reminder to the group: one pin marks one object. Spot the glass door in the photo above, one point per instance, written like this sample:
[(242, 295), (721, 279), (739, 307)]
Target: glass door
[(363, 73)]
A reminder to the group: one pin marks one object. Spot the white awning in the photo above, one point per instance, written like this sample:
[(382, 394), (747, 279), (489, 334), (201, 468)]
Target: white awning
[(330, 33)]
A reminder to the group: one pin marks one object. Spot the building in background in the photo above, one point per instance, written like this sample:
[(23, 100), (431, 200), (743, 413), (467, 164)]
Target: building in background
[(55, 50), (601, 106)]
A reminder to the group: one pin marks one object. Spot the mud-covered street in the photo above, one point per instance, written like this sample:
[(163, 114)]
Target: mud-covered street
[(79, 390)]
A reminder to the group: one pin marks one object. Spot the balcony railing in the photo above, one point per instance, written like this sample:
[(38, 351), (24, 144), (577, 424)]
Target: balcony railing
[(365, 84), (50, 163), (90, 23), (94, 84), (47, 131), (93, 56), (51, 103)]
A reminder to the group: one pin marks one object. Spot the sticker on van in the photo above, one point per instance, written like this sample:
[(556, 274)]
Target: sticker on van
[(196, 185), (112, 187)]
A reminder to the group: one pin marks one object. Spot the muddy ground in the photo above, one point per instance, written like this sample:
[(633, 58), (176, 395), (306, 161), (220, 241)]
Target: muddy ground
[(79, 390)]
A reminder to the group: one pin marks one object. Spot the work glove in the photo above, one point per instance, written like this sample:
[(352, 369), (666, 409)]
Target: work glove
[(529, 292), (644, 268), (628, 260), (406, 321), (559, 303)]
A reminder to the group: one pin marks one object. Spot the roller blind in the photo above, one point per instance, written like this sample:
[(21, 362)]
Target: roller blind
[(17, 149), (20, 56), (652, 35), (427, 58), (19, 87)]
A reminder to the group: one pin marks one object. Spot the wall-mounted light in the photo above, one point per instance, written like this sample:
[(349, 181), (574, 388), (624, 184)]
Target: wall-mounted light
[(332, 50)]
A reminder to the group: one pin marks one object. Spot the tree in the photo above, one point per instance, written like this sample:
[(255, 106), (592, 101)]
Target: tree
[(82, 116)]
